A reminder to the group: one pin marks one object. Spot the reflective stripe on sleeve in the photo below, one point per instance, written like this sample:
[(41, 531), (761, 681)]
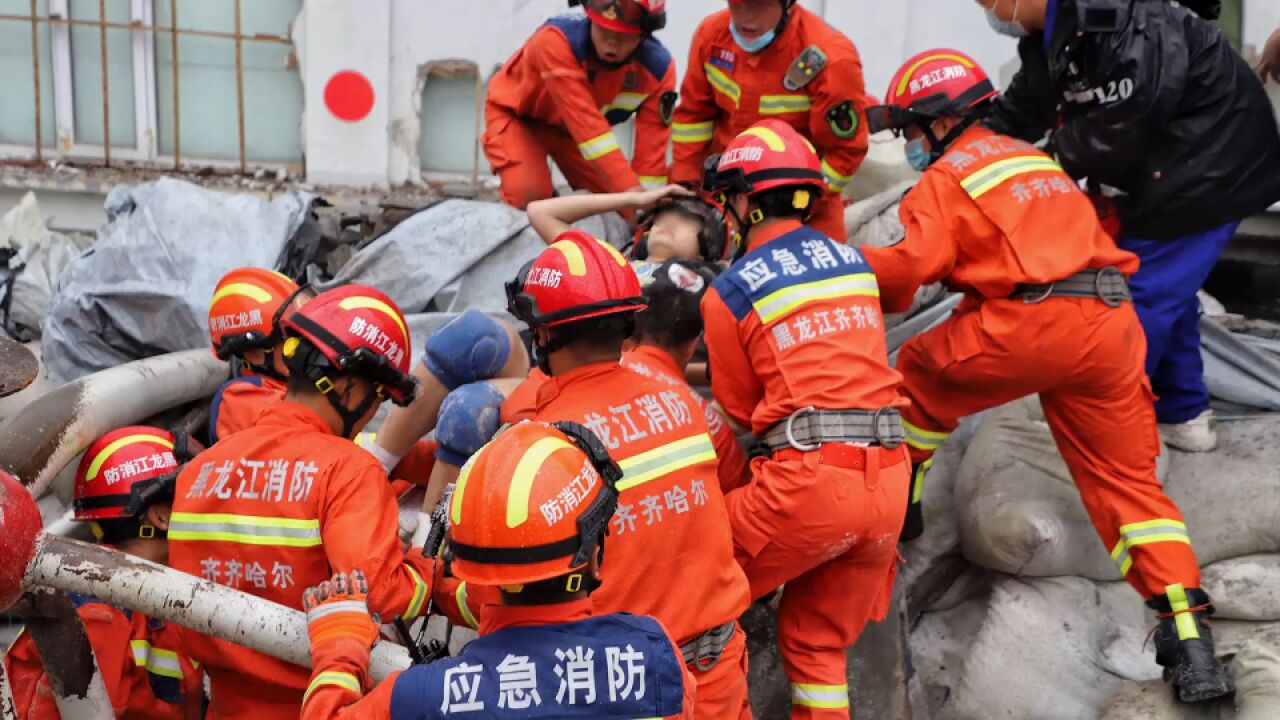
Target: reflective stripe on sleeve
[(781, 104), (653, 181), (343, 680), (835, 180), (693, 132), (722, 83), (997, 173), (921, 439), (598, 147), (420, 593), (244, 529), (628, 101), (155, 660), (776, 304), (820, 696), (640, 469), (460, 595), (1145, 533)]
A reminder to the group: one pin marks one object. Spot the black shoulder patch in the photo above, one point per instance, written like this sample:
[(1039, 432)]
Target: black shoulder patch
[(843, 119), (667, 106)]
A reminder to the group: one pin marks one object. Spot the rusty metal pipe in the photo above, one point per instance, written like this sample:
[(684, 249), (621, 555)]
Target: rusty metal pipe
[(35, 83), (240, 85), (106, 86), (67, 655), (177, 117), (71, 22), (8, 711)]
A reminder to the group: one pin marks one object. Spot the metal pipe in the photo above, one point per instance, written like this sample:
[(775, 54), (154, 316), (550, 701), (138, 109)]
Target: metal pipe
[(67, 655), (106, 90), (8, 710), (240, 85), (35, 83), (177, 118), (256, 37), (45, 436)]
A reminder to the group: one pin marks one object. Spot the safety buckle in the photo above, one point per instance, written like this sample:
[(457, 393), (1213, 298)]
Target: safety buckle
[(886, 441), (324, 385), (1040, 298), (1105, 284), (789, 430)]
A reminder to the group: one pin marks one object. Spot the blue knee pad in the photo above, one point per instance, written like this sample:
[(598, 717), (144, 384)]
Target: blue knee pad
[(468, 419), (470, 347)]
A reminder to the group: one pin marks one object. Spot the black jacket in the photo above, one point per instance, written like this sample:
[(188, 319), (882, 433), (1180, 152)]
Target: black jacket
[(1145, 97)]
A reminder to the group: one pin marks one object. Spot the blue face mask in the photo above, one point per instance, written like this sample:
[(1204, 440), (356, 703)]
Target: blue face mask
[(752, 46), (917, 157), (1010, 28)]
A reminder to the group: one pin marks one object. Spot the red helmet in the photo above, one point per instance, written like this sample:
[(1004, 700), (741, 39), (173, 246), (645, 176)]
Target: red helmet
[(246, 308), (354, 330), (933, 84), (578, 277), (127, 470), (634, 17), (558, 487), (767, 155)]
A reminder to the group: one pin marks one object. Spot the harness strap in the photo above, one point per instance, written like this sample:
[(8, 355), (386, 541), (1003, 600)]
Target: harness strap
[(1106, 284), (807, 429), (704, 651)]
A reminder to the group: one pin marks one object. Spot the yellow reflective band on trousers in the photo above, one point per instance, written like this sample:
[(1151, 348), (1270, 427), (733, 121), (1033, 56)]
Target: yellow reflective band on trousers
[(1180, 606), (598, 147), (669, 458), (997, 173), (628, 101), (244, 529), (653, 181), (782, 104), (776, 304), (922, 439), (823, 697), (460, 595), (331, 677), (1144, 533), (722, 83), (156, 661), (835, 180), (419, 599), (693, 132), (917, 483)]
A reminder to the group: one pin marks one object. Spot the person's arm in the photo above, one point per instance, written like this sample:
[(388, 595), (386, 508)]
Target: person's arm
[(342, 633), (734, 383), (1027, 109), (733, 466), (653, 132), (1269, 63), (694, 123), (835, 119), (553, 216), (926, 253)]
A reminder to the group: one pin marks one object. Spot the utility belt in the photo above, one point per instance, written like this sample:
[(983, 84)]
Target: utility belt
[(1106, 284), (807, 429), (704, 651)]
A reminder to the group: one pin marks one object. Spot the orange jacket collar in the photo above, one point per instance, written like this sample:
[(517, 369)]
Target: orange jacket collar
[(296, 416), (657, 357), (778, 229), (500, 617), (559, 383)]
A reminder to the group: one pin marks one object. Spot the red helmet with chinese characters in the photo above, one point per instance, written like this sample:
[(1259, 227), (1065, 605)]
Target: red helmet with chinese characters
[(633, 17), (127, 470), (246, 308), (578, 277), (767, 155), (931, 85), (532, 505), (356, 330)]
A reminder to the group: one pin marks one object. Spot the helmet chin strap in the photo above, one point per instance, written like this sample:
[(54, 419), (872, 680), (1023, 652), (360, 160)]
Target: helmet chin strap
[(350, 416), (744, 228), (267, 368), (938, 146)]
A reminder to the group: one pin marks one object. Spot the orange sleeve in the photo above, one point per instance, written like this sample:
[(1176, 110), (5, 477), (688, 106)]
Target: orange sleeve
[(415, 467), (731, 458), (839, 93), (653, 134), (110, 633), (339, 677), (733, 381), (695, 117), (359, 525), (567, 83), (927, 253), (459, 601)]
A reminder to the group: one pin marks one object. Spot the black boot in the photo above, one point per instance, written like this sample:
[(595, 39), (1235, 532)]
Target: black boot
[(1184, 645), (913, 526)]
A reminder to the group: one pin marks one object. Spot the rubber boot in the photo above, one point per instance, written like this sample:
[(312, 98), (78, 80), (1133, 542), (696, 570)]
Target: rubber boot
[(1184, 645), (913, 525)]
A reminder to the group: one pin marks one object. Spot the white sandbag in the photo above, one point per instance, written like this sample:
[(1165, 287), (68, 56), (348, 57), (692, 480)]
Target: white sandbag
[(1244, 588), (884, 166), (40, 256), (1020, 513)]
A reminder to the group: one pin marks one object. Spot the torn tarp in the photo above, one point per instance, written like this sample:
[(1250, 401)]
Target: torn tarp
[(143, 289), (33, 258)]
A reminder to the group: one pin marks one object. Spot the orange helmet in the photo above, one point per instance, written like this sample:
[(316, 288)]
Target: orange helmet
[(933, 84), (578, 277), (127, 470), (559, 488), (246, 310), (634, 17)]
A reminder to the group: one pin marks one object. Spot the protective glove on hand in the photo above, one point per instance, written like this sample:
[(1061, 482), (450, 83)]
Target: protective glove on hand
[(338, 608)]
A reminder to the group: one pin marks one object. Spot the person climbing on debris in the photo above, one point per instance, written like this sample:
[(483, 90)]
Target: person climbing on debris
[(675, 222), (1047, 310), (773, 58), (797, 353), (562, 93), (282, 506), (1152, 104), (244, 322), (124, 489), (543, 651)]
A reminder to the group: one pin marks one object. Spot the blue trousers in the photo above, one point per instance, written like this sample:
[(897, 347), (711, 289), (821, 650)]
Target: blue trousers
[(1164, 294)]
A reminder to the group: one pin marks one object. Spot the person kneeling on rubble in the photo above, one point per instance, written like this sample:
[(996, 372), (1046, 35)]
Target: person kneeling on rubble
[(1047, 310), (124, 488), (276, 509), (542, 653)]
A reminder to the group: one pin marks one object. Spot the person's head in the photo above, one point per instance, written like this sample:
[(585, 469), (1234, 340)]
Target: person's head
[(348, 351), (1015, 18), (530, 511), (673, 320), (245, 314), (579, 298), (932, 99), (124, 487), (755, 23), (769, 172), (619, 26), (688, 228)]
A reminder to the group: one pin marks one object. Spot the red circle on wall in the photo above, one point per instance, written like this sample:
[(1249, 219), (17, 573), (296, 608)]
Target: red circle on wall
[(349, 95)]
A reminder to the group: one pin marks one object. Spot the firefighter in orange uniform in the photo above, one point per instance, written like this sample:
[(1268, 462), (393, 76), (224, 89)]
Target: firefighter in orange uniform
[(773, 59), (562, 93), (1048, 311), (580, 297), (544, 650), (124, 488), (274, 511), (797, 353), (244, 322)]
